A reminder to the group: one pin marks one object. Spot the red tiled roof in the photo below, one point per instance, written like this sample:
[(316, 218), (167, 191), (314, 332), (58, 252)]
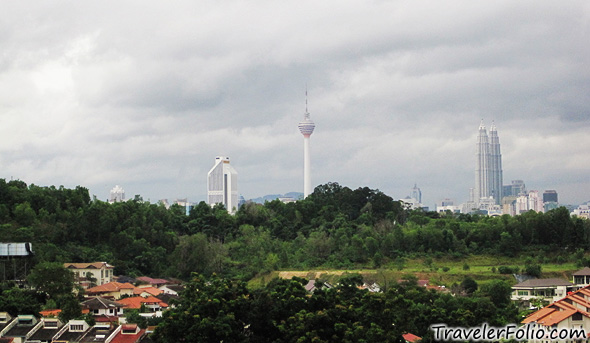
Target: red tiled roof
[(128, 338), (110, 287), (410, 337), (136, 302), (106, 319)]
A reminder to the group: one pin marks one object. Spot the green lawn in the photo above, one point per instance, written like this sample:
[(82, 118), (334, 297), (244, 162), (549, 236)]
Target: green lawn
[(482, 268)]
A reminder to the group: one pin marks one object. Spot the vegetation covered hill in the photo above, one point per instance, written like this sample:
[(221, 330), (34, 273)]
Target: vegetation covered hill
[(335, 227), (362, 231)]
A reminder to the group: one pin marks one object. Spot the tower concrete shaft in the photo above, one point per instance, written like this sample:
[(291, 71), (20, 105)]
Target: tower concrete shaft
[(306, 128)]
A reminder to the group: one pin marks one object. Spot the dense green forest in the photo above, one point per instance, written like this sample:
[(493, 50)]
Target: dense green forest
[(283, 311), (335, 227)]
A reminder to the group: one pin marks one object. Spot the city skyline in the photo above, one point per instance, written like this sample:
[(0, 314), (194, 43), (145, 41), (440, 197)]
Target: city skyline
[(146, 99)]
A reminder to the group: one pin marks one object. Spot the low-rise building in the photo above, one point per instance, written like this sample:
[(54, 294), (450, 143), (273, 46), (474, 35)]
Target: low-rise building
[(549, 290), (91, 274), (101, 307), (48, 330), (21, 328), (570, 312), (115, 290), (581, 278)]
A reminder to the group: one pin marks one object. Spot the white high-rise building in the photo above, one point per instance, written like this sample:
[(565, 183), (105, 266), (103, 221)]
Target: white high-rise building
[(117, 194), (488, 169), (495, 164), (222, 184), (306, 128)]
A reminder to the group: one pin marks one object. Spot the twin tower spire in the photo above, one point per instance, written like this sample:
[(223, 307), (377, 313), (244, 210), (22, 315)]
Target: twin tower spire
[(488, 168)]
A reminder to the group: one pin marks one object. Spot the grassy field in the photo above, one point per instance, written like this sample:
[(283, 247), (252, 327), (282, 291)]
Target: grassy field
[(443, 271)]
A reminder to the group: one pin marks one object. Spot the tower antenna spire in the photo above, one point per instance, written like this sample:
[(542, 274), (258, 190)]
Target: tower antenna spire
[(306, 111)]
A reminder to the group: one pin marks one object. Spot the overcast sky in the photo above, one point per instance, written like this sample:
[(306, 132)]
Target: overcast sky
[(145, 94)]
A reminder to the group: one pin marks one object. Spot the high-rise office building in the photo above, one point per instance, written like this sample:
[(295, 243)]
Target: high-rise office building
[(488, 168), (117, 194), (550, 196), (417, 194), (306, 128), (222, 184)]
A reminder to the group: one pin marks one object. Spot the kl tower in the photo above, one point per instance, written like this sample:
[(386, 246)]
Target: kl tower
[(306, 127)]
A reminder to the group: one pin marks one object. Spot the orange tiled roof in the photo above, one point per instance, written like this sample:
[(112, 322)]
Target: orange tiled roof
[(562, 309), (533, 317), (50, 313), (151, 290), (555, 317), (91, 265), (110, 287), (136, 302)]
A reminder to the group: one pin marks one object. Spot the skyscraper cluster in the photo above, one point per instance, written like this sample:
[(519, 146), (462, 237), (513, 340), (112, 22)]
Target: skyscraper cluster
[(488, 169)]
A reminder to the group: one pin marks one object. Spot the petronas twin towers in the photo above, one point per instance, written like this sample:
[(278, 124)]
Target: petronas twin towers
[(488, 169)]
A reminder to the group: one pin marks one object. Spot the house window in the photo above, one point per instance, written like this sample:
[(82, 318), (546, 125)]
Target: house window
[(111, 311), (95, 311), (76, 327), (577, 316), (50, 324), (523, 292)]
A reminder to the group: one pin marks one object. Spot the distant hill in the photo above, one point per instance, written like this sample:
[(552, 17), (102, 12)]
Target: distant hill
[(271, 197)]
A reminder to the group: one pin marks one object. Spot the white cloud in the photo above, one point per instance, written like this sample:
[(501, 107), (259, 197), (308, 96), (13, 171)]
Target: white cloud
[(99, 94)]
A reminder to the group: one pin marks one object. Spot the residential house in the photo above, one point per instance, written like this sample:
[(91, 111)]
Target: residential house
[(21, 328), (91, 274), (49, 328), (549, 290), (147, 291), (168, 299), (153, 282), (311, 285), (73, 331), (5, 318), (103, 309), (151, 304), (569, 312), (114, 290), (581, 277), (172, 289), (101, 332), (129, 333)]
